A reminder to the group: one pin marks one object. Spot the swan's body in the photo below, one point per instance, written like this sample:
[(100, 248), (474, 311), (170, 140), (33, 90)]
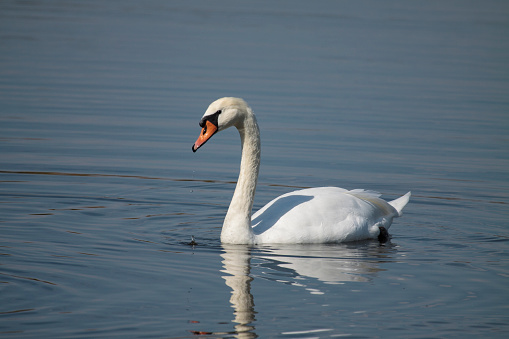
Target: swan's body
[(313, 215)]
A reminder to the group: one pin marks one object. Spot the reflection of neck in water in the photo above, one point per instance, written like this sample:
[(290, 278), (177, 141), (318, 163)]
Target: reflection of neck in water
[(236, 263)]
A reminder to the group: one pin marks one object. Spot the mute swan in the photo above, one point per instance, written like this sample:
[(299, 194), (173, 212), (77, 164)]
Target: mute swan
[(313, 215)]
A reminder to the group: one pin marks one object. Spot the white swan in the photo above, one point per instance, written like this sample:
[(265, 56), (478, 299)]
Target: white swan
[(313, 215)]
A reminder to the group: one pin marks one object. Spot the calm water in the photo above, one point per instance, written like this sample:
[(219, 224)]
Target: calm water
[(100, 192)]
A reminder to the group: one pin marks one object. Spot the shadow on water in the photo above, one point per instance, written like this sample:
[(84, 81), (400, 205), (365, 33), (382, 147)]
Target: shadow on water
[(292, 265)]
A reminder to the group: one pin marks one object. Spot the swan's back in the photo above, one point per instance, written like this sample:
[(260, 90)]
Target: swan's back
[(324, 215)]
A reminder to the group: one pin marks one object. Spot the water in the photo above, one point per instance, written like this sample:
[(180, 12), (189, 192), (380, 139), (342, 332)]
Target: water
[(100, 192)]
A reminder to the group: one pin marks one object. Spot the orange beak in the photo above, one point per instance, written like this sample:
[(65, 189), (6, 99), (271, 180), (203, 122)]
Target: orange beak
[(206, 133)]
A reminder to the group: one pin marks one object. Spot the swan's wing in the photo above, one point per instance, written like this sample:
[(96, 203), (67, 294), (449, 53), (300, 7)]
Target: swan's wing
[(324, 214), (318, 215), (374, 197), (271, 213), (364, 194)]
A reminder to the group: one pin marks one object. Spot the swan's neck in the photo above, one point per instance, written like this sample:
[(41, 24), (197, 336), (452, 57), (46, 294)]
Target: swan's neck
[(237, 223)]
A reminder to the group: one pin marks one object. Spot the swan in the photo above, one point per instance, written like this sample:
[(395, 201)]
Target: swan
[(312, 215)]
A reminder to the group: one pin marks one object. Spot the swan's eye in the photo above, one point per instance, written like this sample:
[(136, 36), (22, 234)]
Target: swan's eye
[(218, 112)]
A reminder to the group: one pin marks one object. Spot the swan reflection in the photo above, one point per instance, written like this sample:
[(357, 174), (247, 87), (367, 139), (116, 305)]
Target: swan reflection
[(337, 263), (294, 264), (236, 263)]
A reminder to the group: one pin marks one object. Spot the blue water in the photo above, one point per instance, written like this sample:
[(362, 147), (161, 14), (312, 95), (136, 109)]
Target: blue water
[(100, 192)]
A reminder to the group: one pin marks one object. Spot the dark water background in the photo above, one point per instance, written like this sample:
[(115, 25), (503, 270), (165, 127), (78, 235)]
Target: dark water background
[(100, 192)]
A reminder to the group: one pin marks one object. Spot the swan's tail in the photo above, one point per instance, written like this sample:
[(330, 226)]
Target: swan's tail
[(401, 202)]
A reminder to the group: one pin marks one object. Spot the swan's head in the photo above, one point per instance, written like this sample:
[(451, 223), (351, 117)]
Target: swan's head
[(220, 115)]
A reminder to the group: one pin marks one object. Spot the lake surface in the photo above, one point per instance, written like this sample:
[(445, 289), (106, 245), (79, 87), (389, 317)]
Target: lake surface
[(100, 192)]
